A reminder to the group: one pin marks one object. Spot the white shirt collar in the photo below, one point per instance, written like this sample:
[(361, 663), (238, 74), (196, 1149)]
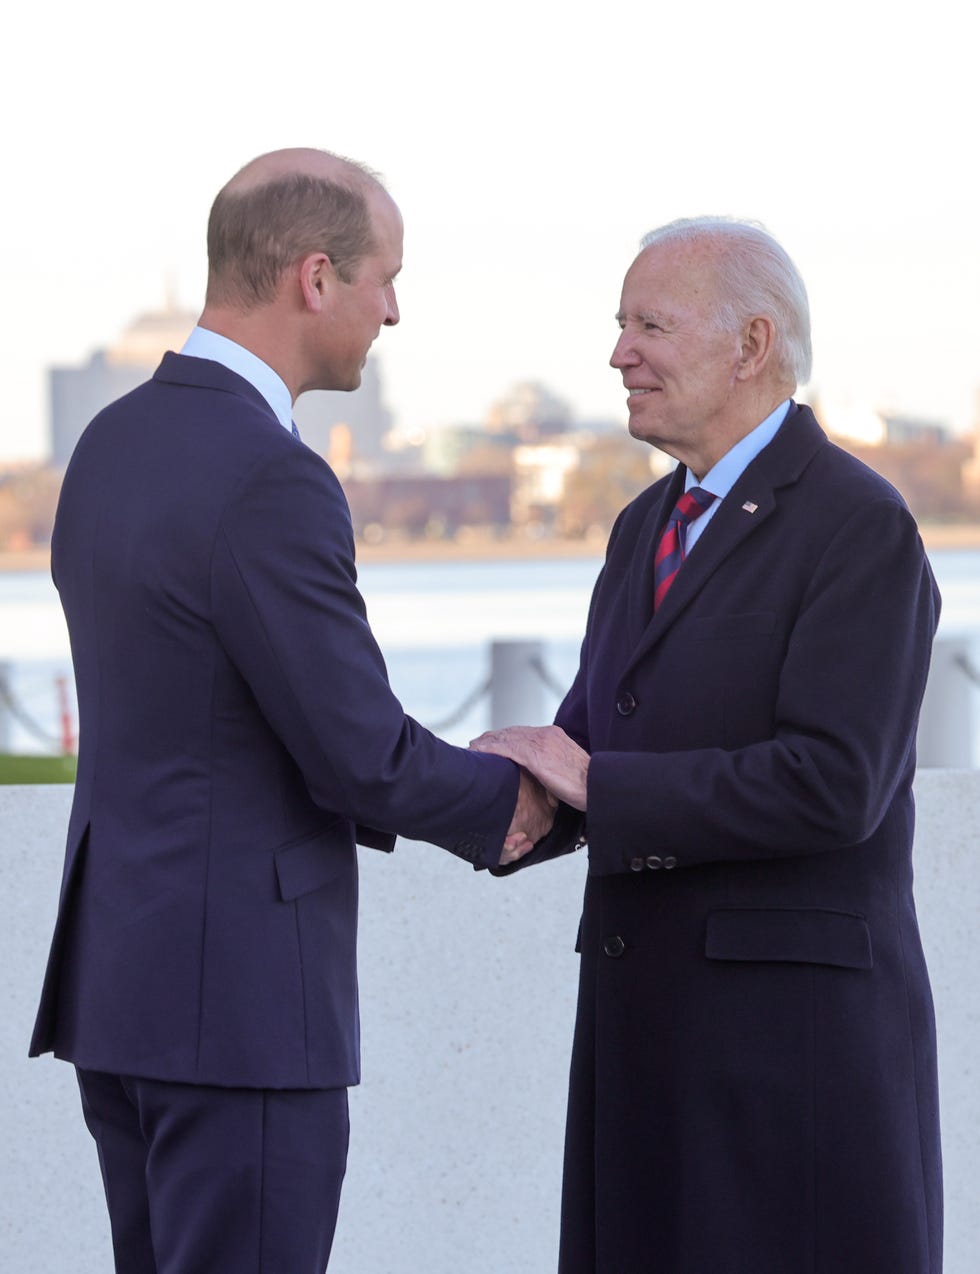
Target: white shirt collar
[(203, 343), (721, 477)]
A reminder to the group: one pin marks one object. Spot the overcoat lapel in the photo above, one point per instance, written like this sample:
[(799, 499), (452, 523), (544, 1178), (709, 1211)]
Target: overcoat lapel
[(751, 501)]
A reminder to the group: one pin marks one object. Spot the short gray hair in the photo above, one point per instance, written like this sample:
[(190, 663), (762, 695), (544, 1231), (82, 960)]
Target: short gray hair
[(256, 231), (757, 276)]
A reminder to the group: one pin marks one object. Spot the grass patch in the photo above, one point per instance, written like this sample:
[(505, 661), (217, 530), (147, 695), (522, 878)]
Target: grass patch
[(37, 769)]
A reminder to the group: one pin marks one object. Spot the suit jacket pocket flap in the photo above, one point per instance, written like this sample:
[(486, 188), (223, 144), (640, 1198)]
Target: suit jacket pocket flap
[(310, 864), (802, 936)]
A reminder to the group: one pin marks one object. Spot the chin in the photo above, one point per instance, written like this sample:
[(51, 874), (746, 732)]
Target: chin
[(650, 437), (343, 385)]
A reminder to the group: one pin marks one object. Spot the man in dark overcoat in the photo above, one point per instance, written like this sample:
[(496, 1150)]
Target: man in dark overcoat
[(753, 1080)]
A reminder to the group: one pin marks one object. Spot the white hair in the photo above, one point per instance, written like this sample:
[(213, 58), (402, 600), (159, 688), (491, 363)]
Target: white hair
[(757, 277)]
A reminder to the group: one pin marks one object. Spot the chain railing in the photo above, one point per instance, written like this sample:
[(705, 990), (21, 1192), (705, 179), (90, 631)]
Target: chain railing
[(18, 713), (525, 675), (465, 708)]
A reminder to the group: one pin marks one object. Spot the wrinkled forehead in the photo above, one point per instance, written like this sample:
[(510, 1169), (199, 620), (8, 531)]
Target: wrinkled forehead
[(673, 278)]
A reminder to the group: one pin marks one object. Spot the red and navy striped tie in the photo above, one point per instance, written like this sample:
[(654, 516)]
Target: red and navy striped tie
[(670, 547)]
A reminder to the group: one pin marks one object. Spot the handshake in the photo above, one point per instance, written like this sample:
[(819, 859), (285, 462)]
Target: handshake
[(553, 768)]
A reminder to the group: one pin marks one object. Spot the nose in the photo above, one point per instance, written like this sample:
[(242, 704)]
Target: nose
[(623, 354), (392, 316)]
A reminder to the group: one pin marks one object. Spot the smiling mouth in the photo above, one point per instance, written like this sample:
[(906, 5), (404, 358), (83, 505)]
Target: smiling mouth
[(634, 392)]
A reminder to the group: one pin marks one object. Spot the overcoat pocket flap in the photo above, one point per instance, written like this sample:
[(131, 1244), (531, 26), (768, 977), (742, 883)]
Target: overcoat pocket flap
[(806, 936), (315, 862)]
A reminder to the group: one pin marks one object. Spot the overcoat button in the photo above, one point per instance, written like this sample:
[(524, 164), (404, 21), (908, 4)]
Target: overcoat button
[(670, 861), (614, 947), (625, 704), (636, 864), (654, 863)]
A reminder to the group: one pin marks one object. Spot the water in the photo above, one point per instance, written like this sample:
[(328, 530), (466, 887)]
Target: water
[(433, 620)]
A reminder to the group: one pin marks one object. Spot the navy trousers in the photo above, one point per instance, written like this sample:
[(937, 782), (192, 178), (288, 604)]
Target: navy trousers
[(203, 1180)]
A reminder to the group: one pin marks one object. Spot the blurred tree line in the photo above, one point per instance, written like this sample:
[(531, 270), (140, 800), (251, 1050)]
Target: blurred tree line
[(611, 470), (28, 499)]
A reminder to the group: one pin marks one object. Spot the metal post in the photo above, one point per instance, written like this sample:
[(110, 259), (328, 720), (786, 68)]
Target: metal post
[(6, 720), (516, 686), (948, 722)]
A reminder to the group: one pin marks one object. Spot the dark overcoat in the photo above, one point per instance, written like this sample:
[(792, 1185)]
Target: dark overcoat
[(753, 1080), (237, 733)]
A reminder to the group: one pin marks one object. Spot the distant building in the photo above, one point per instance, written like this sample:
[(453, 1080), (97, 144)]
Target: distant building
[(450, 448), (528, 414), (854, 421), (901, 430), (529, 411), (851, 421), (345, 428), (971, 469), (348, 429), (78, 393), (427, 504), (541, 473)]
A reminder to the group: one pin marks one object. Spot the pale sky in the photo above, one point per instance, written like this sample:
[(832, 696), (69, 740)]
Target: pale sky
[(529, 148)]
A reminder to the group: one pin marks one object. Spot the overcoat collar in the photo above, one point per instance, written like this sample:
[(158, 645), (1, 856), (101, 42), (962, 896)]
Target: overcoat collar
[(751, 501)]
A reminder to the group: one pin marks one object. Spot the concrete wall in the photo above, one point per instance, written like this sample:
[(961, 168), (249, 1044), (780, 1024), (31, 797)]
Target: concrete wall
[(468, 991)]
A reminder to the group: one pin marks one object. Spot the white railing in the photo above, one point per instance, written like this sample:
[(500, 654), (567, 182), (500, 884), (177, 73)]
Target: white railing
[(468, 990)]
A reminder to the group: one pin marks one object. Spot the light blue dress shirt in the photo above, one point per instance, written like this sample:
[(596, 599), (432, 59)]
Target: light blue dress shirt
[(203, 343), (721, 477)]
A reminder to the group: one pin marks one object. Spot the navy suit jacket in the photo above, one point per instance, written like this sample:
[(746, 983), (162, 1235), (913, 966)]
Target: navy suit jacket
[(753, 1080), (236, 727)]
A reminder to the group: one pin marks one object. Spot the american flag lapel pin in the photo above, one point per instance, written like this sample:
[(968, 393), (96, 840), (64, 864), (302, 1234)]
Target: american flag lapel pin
[(749, 506)]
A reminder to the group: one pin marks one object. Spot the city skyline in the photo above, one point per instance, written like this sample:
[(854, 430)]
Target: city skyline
[(77, 392), (528, 158)]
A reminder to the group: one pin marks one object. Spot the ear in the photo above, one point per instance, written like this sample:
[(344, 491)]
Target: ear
[(758, 343), (316, 277)]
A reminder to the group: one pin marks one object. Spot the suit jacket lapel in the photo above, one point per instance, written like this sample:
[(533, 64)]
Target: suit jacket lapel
[(751, 501)]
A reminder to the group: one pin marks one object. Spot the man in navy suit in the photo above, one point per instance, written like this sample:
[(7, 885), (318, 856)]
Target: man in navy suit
[(753, 1080), (238, 735)]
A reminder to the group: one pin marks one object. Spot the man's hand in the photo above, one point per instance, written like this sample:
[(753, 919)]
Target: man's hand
[(550, 755), (534, 815)]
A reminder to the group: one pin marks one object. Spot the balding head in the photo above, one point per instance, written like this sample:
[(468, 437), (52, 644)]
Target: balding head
[(301, 161), (279, 208)]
